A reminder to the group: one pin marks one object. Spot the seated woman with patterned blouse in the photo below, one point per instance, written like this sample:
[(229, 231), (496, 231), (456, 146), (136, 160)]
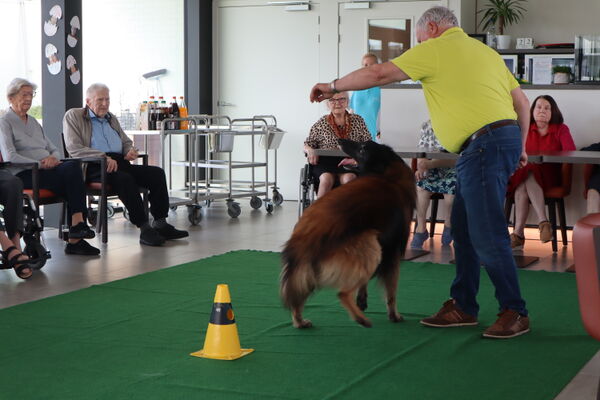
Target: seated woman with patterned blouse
[(324, 134), (433, 176)]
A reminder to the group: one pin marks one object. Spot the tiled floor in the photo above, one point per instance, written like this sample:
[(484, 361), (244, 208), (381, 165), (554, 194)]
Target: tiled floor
[(254, 229)]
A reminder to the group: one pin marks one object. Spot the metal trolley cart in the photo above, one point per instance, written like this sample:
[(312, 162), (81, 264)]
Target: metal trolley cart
[(202, 180)]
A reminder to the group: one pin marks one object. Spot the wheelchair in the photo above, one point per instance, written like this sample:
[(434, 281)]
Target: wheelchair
[(307, 189), (309, 186), (33, 227)]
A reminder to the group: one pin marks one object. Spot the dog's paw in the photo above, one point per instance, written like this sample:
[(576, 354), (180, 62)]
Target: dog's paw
[(395, 317), (305, 323), (364, 322)]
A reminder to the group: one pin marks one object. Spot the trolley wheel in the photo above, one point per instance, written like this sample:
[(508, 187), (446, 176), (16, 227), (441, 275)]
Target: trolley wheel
[(269, 206), (36, 252), (207, 203), (194, 214), (255, 202), (92, 216), (277, 198), (233, 209), (173, 208), (110, 211)]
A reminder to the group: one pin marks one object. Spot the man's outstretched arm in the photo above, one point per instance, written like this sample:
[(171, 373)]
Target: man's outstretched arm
[(364, 78)]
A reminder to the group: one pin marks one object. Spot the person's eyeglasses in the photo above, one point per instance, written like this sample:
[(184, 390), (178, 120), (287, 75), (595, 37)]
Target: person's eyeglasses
[(28, 94), (338, 100)]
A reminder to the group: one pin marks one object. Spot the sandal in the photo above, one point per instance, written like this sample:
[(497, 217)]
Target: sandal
[(20, 266)]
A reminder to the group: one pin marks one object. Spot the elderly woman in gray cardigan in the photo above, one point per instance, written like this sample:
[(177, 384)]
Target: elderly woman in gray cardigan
[(23, 141)]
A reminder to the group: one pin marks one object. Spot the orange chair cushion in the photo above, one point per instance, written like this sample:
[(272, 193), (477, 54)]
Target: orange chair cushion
[(586, 256), (97, 186), (44, 193)]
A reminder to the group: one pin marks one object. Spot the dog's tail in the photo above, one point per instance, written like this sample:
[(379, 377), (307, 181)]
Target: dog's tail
[(297, 280)]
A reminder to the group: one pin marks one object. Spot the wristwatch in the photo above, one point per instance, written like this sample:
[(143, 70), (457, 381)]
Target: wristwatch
[(332, 86)]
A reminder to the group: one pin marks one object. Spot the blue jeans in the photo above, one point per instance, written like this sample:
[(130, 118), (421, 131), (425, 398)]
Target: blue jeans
[(479, 226)]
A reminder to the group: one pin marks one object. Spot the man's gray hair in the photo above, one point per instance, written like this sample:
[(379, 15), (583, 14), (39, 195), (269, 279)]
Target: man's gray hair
[(16, 84), (94, 88), (440, 15)]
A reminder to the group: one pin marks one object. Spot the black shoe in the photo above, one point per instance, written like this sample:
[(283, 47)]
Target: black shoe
[(151, 237), (81, 231), (169, 232), (82, 248)]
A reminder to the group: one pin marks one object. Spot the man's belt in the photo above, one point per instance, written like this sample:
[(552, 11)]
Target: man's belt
[(487, 128)]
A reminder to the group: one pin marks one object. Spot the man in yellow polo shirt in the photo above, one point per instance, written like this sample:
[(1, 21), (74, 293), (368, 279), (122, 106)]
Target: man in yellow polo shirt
[(479, 111)]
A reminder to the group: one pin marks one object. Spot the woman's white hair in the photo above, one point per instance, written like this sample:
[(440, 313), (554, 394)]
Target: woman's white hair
[(16, 85), (442, 16), (94, 87)]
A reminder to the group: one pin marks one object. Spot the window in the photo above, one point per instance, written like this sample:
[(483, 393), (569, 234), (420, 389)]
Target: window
[(388, 38), (21, 51)]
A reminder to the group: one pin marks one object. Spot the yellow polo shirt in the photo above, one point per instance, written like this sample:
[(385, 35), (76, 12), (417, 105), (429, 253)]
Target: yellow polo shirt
[(466, 84)]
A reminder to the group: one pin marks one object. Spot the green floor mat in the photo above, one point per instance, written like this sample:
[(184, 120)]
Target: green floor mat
[(131, 339)]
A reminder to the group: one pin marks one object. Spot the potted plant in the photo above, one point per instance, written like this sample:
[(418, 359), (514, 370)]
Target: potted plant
[(561, 74), (503, 13)]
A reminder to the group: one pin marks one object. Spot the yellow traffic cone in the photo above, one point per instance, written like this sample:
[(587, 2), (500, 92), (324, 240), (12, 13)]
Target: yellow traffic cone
[(222, 341)]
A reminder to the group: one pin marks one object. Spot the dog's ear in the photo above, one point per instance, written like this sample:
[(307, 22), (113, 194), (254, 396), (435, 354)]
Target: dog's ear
[(377, 157)]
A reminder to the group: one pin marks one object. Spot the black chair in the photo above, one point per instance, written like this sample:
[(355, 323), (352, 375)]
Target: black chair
[(435, 200), (103, 191)]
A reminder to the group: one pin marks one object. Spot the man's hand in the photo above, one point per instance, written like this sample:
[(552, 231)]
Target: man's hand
[(320, 92), (111, 165), (422, 167), (523, 159), (49, 162), (313, 159), (132, 154)]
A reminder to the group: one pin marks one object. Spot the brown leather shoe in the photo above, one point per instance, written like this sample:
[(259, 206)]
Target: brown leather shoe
[(545, 231), (449, 316), (516, 240), (509, 324)]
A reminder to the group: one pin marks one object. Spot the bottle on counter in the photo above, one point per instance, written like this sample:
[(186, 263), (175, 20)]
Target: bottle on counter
[(151, 114), (174, 113), (143, 117), (163, 113), (183, 112)]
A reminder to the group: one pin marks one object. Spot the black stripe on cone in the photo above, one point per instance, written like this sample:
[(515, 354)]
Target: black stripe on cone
[(222, 314)]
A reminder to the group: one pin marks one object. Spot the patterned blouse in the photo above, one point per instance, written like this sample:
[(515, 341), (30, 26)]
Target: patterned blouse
[(322, 136), (438, 180)]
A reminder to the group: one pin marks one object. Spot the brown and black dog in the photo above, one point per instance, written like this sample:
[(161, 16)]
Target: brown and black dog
[(351, 234)]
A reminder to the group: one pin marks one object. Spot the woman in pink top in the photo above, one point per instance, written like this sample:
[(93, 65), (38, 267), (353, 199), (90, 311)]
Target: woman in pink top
[(547, 132)]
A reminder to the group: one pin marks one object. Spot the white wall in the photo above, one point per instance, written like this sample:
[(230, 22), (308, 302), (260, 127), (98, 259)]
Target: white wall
[(124, 39), (21, 55)]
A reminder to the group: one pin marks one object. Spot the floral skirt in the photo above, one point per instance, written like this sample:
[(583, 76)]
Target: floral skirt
[(439, 180)]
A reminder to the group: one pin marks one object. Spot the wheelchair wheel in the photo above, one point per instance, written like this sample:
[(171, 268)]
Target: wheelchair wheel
[(38, 253), (305, 190), (110, 211), (92, 216)]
